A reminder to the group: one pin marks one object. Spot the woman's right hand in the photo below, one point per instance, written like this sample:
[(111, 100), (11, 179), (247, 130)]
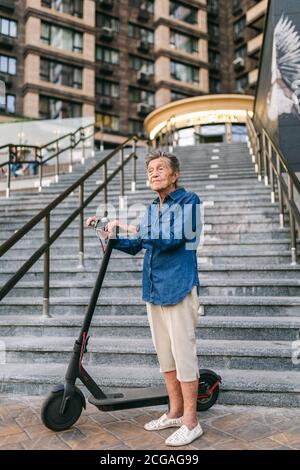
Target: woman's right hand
[(90, 220)]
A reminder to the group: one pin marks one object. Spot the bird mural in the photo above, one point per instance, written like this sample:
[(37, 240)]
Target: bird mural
[(284, 93)]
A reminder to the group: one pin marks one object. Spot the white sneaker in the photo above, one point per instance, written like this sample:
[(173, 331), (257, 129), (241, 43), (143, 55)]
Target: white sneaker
[(184, 436), (163, 423)]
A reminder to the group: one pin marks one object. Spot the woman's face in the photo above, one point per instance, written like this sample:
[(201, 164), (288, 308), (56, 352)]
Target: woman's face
[(160, 174)]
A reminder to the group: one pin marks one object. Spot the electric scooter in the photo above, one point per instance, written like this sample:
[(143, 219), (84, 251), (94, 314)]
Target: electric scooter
[(63, 406)]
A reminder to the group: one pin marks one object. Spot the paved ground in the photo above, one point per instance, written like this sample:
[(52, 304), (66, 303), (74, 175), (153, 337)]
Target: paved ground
[(225, 427)]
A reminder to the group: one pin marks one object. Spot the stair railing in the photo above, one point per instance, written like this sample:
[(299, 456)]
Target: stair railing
[(271, 164), (79, 136), (45, 215)]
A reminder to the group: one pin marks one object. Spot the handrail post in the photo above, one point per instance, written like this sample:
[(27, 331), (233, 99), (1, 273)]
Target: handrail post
[(270, 152), (57, 162), (10, 153), (46, 267), (40, 169), (292, 222), (258, 150), (81, 227), (105, 187), (72, 138), (134, 157), (280, 194), (82, 138), (122, 178), (264, 152)]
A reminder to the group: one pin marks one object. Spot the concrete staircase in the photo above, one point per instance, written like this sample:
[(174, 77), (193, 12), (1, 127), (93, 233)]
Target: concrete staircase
[(249, 289)]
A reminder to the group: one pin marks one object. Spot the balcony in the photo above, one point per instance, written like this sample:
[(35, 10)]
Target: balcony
[(7, 5), (254, 46), (253, 77), (143, 77), (107, 4), (7, 42), (143, 14), (239, 64), (143, 46), (255, 16), (106, 33), (143, 109)]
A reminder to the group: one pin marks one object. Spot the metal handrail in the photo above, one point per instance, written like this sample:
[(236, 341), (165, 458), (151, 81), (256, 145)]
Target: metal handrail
[(45, 214), (270, 163), (39, 161)]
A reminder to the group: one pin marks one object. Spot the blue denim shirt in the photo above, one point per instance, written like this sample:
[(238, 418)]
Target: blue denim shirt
[(170, 234)]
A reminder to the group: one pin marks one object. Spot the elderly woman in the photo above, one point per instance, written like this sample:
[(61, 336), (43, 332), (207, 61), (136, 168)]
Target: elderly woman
[(170, 233)]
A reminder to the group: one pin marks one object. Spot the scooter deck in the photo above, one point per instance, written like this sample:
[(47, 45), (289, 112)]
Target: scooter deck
[(132, 398)]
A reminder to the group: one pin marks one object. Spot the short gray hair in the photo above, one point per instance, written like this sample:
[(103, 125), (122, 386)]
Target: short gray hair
[(172, 160)]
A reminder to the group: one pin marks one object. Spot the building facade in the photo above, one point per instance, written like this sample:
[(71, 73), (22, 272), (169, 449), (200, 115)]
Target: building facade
[(118, 60)]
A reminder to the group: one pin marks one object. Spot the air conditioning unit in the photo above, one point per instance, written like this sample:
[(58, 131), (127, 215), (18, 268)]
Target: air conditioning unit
[(143, 46), (106, 69), (6, 42), (143, 77), (239, 63), (143, 109), (106, 33)]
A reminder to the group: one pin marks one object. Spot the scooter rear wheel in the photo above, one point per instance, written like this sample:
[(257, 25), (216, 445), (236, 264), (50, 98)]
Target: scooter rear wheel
[(206, 381), (51, 416)]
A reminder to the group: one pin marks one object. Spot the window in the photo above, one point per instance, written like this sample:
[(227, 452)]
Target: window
[(8, 65), (143, 34), (239, 26), (143, 4), (214, 85), (108, 122), (177, 95), (137, 95), (71, 7), (107, 55), (106, 88), (184, 42), (61, 38), (183, 13), (143, 65), (53, 108), (184, 72), (241, 52), (214, 58), (8, 105), (108, 21), (135, 127), (241, 84), (213, 32), (59, 73), (8, 27), (212, 6)]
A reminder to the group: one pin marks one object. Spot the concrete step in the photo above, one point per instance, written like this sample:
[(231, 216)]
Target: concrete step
[(214, 327), (239, 387), (224, 259), (121, 351), (210, 305), (120, 288), (206, 272)]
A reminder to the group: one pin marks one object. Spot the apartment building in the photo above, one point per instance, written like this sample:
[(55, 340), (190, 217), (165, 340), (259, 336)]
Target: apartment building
[(118, 60), (235, 33)]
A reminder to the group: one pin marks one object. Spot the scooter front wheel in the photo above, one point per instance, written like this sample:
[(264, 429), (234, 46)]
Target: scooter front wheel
[(50, 413), (206, 399)]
